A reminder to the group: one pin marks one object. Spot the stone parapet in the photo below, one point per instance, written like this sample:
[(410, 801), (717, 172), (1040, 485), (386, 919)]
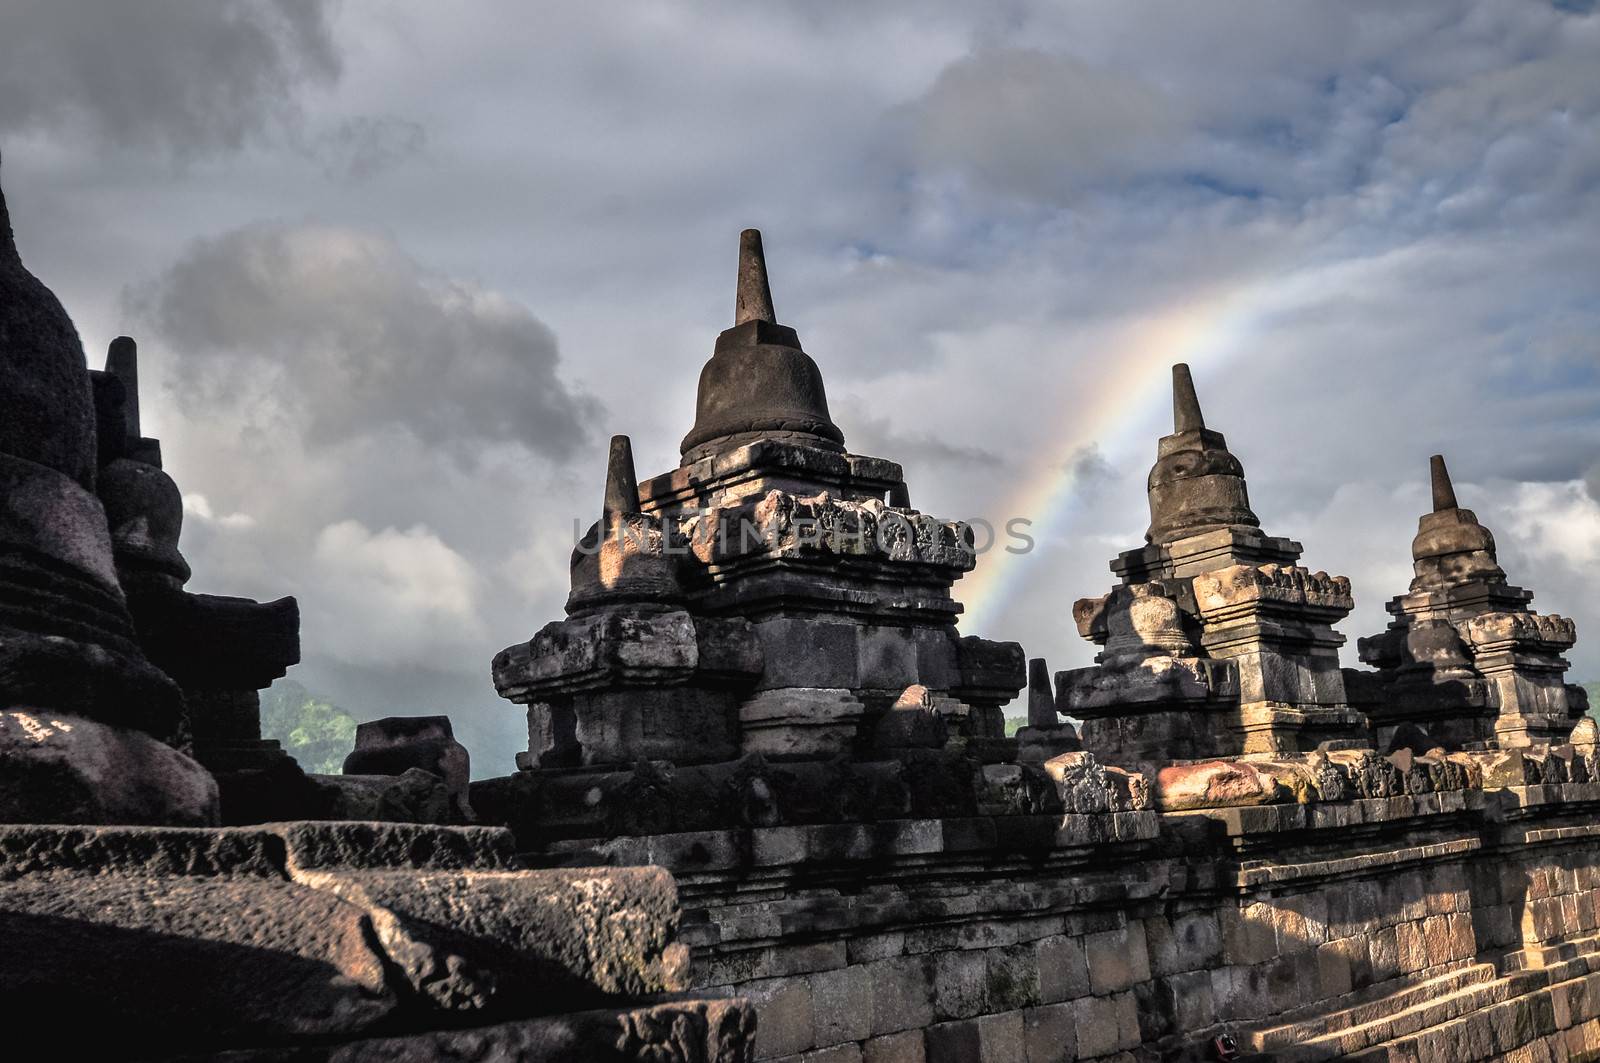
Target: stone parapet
[(1306, 906), (344, 939)]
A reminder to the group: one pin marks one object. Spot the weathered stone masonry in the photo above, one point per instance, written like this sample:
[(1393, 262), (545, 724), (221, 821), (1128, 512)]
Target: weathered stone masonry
[(133, 927), (1249, 851)]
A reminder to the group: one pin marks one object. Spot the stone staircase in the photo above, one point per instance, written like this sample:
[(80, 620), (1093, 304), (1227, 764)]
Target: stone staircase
[(1535, 1004)]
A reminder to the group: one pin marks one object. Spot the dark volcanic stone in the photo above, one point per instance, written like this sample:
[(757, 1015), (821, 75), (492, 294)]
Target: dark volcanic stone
[(66, 641), (679, 1031), (49, 409), (758, 383), (260, 959), (412, 796), (395, 744), (62, 768)]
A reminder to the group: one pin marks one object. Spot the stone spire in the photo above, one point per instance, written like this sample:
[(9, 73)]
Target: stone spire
[(1186, 415), (754, 299), (1196, 484), (1444, 493), (122, 362), (622, 488), (758, 383), (1041, 695), (623, 560), (1451, 547)]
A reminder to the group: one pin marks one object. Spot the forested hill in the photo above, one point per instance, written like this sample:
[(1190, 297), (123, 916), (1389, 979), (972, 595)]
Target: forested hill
[(318, 733)]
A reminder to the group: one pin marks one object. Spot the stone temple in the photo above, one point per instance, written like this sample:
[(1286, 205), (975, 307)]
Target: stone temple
[(768, 809)]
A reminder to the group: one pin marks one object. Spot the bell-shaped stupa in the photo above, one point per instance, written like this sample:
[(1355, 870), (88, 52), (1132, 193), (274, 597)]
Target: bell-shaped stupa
[(759, 384)]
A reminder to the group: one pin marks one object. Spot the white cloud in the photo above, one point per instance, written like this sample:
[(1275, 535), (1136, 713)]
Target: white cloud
[(390, 596), (198, 506)]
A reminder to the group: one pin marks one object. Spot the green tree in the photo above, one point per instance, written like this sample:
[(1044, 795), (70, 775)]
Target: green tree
[(315, 732)]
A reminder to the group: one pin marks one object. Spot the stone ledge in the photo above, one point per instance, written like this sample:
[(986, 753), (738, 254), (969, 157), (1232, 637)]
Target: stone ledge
[(201, 939), (1246, 820), (272, 849), (1271, 874), (683, 1030)]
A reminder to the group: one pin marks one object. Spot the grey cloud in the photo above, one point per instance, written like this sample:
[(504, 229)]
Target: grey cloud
[(1092, 474), (869, 433), (362, 147), (1036, 125), (339, 330), (181, 77)]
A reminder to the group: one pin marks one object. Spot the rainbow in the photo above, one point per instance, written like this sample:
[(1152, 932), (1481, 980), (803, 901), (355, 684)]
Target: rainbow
[(1200, 330)]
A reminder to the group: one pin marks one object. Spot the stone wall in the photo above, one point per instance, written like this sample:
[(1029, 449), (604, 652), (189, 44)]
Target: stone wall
[(1434, 918)]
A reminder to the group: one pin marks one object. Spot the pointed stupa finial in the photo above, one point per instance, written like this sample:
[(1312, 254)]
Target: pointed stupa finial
[(1041, 697), (622, 487), (1444, 494), (754, 299), (759, 383), (122, 362), (1185, 403)]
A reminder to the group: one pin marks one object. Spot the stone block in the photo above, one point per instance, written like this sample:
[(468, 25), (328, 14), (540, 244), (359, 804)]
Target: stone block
[(1049, 1034), (1105, 1024), (413, 796), (1215, 784), (259, 957), (1300, 921), (1189, 941), (465, 939), (902, 993), (62, 768), (953, 1042), (869, 947), (800, 722), (395, 743), (938, 664), (598, 650), (1000, 1038), (1117, 959), (1013, 977), (1248, 934), (693, 1029), (960, 984), (1336, 965), (1352, 908), (906, 1047), (1411, 947), (887, 658), (802, 652), (1463, 942), (1193, 1006), (784, 1015), (1063, 969), (842, 1002)]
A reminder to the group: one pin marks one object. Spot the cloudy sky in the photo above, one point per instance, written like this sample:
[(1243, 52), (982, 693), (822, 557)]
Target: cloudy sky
[(397, 271)]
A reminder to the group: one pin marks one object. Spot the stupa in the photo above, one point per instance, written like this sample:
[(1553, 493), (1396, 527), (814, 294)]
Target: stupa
[(66, 640), (221, 651), (1466, 662), (1217, 642), (775, 594)]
